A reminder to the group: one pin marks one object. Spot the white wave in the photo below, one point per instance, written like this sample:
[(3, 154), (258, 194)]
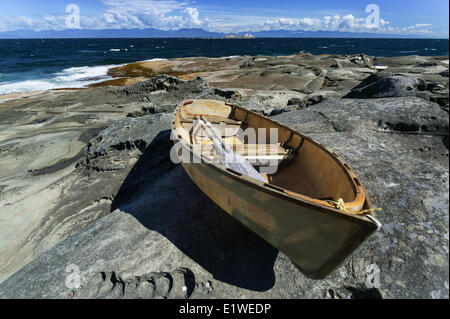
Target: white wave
[(156, 59), (74, 77), (114, 50), (24, 86), (230, 57)]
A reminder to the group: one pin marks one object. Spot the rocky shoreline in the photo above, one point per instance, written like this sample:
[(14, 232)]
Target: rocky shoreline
[(86, 179)]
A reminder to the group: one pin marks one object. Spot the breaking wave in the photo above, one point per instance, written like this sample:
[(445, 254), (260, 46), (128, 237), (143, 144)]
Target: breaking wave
[(74, 77)]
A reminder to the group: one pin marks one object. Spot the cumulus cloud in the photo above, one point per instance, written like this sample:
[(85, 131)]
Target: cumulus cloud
[(123, 14), (8, 23), (177, 14), (346, 23), (327, 23), (146, 7), (161, 14)]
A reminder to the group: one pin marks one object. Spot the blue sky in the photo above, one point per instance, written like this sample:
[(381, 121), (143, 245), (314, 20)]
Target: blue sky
[(424, 18)]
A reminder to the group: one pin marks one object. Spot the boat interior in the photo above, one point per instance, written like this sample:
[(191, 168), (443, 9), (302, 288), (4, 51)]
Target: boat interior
[(304, 168)]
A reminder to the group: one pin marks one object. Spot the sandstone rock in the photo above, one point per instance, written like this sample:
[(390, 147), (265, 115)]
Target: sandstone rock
[(266, 102), (283, 109), (432, 69), (305, 102), (304, 73), (150, 239), (297, 103), (128, 134), (125, 214), (42, 196), (384, 84), (360, 60)]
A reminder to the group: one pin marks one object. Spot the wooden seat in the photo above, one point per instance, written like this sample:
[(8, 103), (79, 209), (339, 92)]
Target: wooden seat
[(212, 119), (256, 154), (263, 149)]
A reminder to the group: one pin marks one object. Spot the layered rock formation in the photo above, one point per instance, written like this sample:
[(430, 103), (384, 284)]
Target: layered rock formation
[(86, 180)]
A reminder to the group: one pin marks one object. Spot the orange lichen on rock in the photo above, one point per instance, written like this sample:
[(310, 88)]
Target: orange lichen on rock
[(145, 69), (141, 71)]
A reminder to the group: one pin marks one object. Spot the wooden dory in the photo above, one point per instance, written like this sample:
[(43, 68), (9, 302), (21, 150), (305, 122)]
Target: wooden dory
[(295, 208)]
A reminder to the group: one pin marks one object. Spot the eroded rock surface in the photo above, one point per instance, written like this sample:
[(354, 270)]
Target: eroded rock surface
[(86, 180), (155, 230), (43, 198), (385, 84)]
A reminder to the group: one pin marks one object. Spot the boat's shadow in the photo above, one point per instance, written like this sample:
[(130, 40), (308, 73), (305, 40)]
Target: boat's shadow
[(163, 198)]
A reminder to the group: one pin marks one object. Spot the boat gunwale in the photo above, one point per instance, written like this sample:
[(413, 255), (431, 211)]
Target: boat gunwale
[(360, 219), (351, 175)]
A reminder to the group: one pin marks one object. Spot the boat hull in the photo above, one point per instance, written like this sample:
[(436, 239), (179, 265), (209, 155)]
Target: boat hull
[(290, 209), (316, 239)]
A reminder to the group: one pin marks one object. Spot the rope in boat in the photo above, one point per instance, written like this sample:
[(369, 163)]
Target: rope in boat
[(340, 204)]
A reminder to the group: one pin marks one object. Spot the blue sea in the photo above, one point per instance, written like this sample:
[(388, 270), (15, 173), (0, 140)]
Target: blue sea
[(39, 64)]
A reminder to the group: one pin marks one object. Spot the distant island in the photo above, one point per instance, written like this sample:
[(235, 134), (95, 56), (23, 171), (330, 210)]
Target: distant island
[(186, 33), (234, 36)]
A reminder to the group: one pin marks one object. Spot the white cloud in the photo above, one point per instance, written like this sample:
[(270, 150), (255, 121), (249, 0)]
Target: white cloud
[(346, 23), (8, 23), (420, 25), (124, 14), (177, 14), (146, 7), (162, 14), (109, 18)]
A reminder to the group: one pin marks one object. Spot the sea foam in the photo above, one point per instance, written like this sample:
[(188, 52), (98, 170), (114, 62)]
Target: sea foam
[(74, 77)]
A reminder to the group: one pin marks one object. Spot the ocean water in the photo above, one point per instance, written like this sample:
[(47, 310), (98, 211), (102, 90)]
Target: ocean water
[(39, 64)]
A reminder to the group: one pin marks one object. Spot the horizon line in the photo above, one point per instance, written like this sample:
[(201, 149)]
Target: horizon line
[(345, 34), (219, 38)]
